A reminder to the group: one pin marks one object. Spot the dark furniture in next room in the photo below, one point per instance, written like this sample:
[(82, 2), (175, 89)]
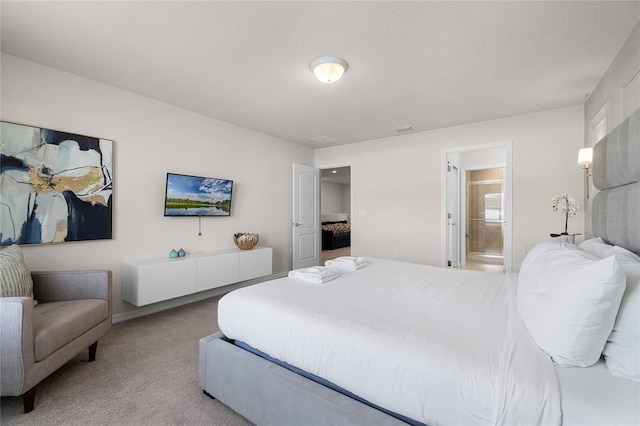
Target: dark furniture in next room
[(336, 235)]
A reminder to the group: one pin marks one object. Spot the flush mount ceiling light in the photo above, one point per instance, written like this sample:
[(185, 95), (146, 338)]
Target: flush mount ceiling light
[(328, 68)]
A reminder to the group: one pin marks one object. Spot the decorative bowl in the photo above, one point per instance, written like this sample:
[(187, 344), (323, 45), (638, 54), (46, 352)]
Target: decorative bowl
[(245, 241)]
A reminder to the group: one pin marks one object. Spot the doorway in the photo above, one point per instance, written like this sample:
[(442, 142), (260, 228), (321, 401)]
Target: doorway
[(484, 223), (476, 207), (335, 211), (316, 200)]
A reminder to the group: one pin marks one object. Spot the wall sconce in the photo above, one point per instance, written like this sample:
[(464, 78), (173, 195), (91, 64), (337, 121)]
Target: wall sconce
[(328, 69), (585, 158)]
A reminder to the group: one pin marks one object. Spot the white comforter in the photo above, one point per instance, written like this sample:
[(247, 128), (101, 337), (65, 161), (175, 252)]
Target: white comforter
[(436, 345)]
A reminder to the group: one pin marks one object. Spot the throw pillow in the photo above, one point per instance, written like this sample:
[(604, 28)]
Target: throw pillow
[(16, 277)]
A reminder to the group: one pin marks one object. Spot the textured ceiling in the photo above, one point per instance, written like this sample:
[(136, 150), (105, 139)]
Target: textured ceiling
[(427, 64)]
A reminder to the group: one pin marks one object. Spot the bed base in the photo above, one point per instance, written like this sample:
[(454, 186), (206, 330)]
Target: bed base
[(268, 394)]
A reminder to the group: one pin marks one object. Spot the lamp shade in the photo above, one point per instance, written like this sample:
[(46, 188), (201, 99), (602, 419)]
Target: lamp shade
[(585, 156), (328, 69)]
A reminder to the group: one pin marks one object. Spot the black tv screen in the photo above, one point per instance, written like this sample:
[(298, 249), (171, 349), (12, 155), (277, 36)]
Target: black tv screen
[(197, 196)]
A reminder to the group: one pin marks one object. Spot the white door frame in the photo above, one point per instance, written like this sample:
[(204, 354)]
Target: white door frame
[(454, 250), (508, 190)]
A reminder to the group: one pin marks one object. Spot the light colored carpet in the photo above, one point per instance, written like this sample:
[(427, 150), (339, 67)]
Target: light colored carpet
[(145, 373), (332, 254)]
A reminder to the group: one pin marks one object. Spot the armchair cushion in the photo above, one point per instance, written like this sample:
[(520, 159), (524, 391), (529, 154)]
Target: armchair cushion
[(56, 324), (16, 277)]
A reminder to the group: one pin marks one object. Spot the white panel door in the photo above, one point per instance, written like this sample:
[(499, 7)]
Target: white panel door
[(306, 216)]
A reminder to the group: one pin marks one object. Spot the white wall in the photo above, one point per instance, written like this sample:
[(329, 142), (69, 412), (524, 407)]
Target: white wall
[(346, 198), (150, 139), (401, 209), (331, 198), (485, 159)]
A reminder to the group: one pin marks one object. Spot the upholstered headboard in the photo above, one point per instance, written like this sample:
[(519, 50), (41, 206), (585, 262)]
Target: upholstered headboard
[(616, 173)]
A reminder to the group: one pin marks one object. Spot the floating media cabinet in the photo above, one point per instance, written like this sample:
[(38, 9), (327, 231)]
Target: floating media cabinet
[(155, 280)]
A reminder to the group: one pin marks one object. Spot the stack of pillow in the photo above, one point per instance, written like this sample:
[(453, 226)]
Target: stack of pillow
[(581, 302)]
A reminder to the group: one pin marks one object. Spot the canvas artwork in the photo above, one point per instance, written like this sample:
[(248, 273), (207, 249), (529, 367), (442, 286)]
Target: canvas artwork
[(54, 186)]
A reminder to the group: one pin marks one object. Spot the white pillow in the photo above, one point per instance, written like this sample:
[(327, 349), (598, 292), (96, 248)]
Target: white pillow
[(535, 252), (622, 351), (597, 247), (568, 299)]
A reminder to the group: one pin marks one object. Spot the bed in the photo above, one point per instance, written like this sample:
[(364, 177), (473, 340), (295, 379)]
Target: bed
[(398, 343)]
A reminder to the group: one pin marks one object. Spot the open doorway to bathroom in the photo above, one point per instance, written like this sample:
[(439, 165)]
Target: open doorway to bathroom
[(476, 207), (335, 209), (484, 219)]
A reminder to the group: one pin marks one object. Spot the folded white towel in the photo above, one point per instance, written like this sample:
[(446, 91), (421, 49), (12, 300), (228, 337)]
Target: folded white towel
[(347, 263), (349, 259), (315, 274)]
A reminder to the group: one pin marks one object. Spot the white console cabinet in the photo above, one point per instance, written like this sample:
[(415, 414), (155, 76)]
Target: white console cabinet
[(154, 280)]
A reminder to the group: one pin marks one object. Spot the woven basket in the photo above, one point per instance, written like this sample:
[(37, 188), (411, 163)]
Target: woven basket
[(245, 241)]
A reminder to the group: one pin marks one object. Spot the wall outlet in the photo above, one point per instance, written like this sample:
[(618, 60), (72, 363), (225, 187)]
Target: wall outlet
[(396, 252)]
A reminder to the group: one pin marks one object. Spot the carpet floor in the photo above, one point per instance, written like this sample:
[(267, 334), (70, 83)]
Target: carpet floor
[(145, 373)]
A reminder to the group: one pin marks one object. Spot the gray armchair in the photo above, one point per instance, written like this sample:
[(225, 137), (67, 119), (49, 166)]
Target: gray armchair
[(73, 312)]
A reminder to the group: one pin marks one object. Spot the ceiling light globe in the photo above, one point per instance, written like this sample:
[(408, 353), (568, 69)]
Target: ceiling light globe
[(328, 69)]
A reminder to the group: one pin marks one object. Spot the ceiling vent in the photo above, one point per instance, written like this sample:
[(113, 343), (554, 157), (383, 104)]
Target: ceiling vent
[(323, 139), (403, 129)]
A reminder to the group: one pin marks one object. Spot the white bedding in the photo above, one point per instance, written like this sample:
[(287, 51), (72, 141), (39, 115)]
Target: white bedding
[(436, 345), (592, 396)]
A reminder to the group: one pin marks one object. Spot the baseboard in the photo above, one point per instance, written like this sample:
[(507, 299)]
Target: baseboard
[(173, 303)]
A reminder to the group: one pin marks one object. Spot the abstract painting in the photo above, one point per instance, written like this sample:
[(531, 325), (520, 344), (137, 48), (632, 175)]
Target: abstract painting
[(54, 186)]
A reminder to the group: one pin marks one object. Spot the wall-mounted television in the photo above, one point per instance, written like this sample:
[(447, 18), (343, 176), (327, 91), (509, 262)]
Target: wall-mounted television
[(197, 196)]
